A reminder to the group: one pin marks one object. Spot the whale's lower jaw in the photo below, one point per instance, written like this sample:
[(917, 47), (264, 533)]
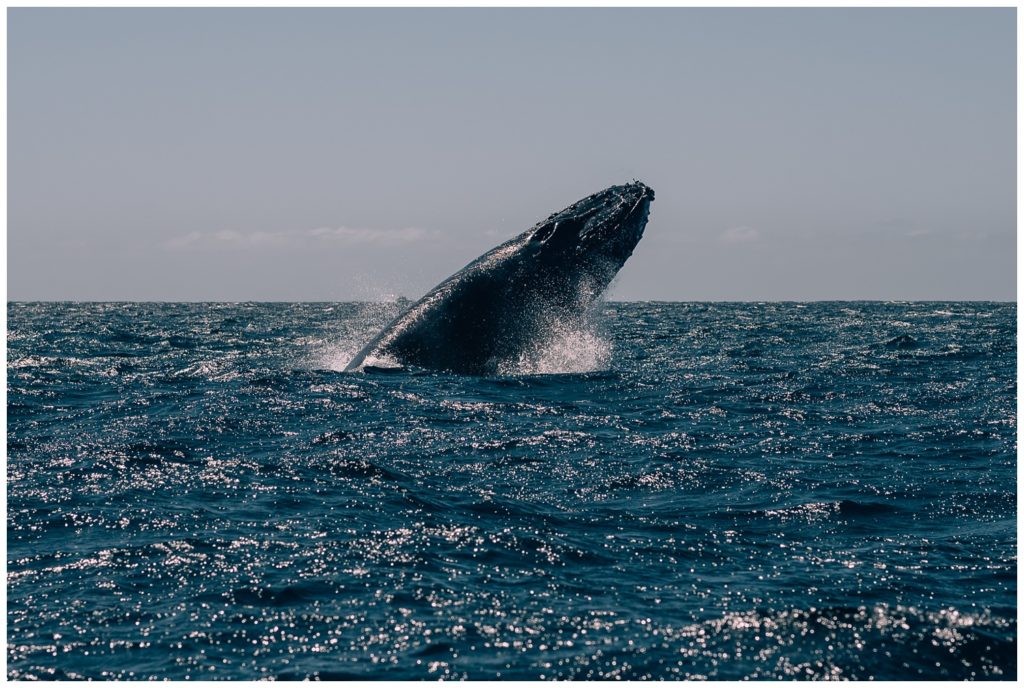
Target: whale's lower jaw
[(493, 311)]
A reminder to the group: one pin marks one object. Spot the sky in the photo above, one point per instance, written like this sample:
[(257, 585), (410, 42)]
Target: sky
[(337, 154)]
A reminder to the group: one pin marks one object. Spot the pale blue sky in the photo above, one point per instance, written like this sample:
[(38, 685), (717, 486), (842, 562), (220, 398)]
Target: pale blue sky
[(348, 153)]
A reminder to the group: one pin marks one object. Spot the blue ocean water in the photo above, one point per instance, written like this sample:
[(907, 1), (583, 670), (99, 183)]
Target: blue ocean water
[(705, 490)]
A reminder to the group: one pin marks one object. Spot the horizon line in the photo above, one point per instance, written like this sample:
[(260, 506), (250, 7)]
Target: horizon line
[(614, 301)]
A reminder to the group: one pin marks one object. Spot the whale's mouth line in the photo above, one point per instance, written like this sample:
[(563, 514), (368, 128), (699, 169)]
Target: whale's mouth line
[(646, 195), (636, 206), (634, 211), (628, 209)]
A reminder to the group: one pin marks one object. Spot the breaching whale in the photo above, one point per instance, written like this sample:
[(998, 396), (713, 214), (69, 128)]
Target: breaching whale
[(494, 309)]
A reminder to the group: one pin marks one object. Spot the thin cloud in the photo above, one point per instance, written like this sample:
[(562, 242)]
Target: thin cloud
[(740, 235), (310, 238), (352, 235)]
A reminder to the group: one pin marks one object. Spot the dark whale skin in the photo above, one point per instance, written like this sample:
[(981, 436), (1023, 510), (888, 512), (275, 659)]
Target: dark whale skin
[(495, 308)]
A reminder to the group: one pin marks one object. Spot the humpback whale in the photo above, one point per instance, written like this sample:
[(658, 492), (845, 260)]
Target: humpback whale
[(495, 308)]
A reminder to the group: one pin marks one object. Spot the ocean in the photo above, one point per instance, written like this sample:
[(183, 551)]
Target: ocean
[(679, 491)]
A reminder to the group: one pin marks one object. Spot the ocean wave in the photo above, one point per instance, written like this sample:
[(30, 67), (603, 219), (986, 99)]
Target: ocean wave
[(671, 491)]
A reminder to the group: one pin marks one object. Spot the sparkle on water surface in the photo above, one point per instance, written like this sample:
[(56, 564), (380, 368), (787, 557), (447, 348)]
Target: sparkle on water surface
[(821, 490)]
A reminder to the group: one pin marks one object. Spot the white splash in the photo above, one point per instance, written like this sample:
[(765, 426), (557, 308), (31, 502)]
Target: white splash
[(335, 353), (379, 362), (574, 346)]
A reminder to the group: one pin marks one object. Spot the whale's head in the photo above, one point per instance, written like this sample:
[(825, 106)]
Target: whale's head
[(591, 239)]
